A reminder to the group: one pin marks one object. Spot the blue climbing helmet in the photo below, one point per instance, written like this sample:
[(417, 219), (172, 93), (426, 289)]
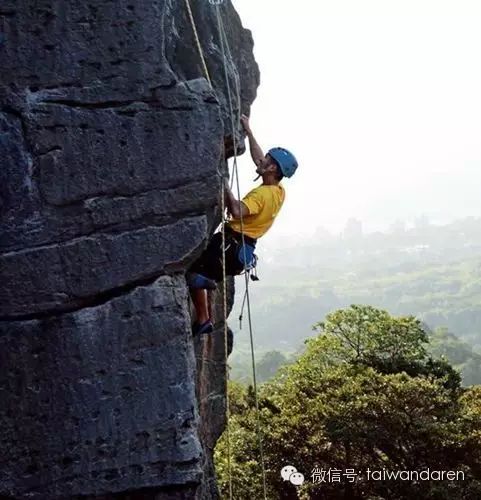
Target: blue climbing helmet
[(285, 159)]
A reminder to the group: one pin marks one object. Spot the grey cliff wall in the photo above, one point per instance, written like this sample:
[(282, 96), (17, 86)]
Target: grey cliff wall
[(110, 144)]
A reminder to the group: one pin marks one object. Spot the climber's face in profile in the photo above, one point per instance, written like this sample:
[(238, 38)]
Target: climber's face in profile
[(267, 165)]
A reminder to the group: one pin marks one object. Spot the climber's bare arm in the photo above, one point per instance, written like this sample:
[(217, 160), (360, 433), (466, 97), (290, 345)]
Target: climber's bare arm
[(255, 150), (235, 207)]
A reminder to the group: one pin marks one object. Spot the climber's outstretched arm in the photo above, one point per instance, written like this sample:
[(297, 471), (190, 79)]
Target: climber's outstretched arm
[(235, 207), (255, 150)]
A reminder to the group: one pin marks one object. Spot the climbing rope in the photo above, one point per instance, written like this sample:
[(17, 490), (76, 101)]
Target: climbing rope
[(224, 48), (234, 126), (224, 272), (197, 41), (226, 346)]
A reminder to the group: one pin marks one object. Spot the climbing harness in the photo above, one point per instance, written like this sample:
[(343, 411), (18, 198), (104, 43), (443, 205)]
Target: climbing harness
[(246, 256)]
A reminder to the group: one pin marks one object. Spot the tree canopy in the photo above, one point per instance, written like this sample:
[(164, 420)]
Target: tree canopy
[(365, 394)]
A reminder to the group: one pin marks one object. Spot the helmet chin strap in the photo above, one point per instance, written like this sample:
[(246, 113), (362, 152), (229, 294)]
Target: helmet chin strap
[(257, 177)]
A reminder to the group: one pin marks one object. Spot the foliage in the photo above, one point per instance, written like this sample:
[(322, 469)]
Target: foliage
[(364, 394), (372, 337)]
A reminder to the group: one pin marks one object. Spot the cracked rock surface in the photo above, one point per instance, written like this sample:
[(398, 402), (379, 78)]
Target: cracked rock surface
[(111, 142)]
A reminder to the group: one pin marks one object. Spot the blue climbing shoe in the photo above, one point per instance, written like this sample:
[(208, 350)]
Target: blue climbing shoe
[(200, 329), (195, 280)]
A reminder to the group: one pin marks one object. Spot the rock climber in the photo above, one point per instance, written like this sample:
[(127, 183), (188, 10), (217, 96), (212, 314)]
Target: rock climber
[(258, 210)]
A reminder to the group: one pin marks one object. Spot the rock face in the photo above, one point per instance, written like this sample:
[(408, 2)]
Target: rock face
[(111, 142)]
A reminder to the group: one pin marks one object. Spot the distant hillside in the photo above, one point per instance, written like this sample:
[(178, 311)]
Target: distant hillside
[(442, 344), (432, 272)]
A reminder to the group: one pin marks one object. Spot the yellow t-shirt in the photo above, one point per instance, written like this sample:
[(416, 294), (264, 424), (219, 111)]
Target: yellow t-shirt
[(264, 203)]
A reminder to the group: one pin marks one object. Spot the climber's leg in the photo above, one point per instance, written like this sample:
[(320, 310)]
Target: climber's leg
[(203, 323), (199, 298), (204, 275), (209, 304), (207, 269)]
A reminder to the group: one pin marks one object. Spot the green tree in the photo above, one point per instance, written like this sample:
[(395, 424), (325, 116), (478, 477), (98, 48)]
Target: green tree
[(365, 394), (372, 337)]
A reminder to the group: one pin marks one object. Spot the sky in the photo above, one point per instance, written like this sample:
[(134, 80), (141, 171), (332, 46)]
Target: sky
[(380, 100)]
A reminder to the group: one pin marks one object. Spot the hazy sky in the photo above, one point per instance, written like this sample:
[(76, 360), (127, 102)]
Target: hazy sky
[(380, 100)]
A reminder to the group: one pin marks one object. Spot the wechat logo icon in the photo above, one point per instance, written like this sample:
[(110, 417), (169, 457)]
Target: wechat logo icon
[(289, 473)]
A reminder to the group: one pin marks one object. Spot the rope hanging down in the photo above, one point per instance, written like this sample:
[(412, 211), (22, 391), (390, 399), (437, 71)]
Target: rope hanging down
[(224, 274), (224, 44), (234, 126)]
